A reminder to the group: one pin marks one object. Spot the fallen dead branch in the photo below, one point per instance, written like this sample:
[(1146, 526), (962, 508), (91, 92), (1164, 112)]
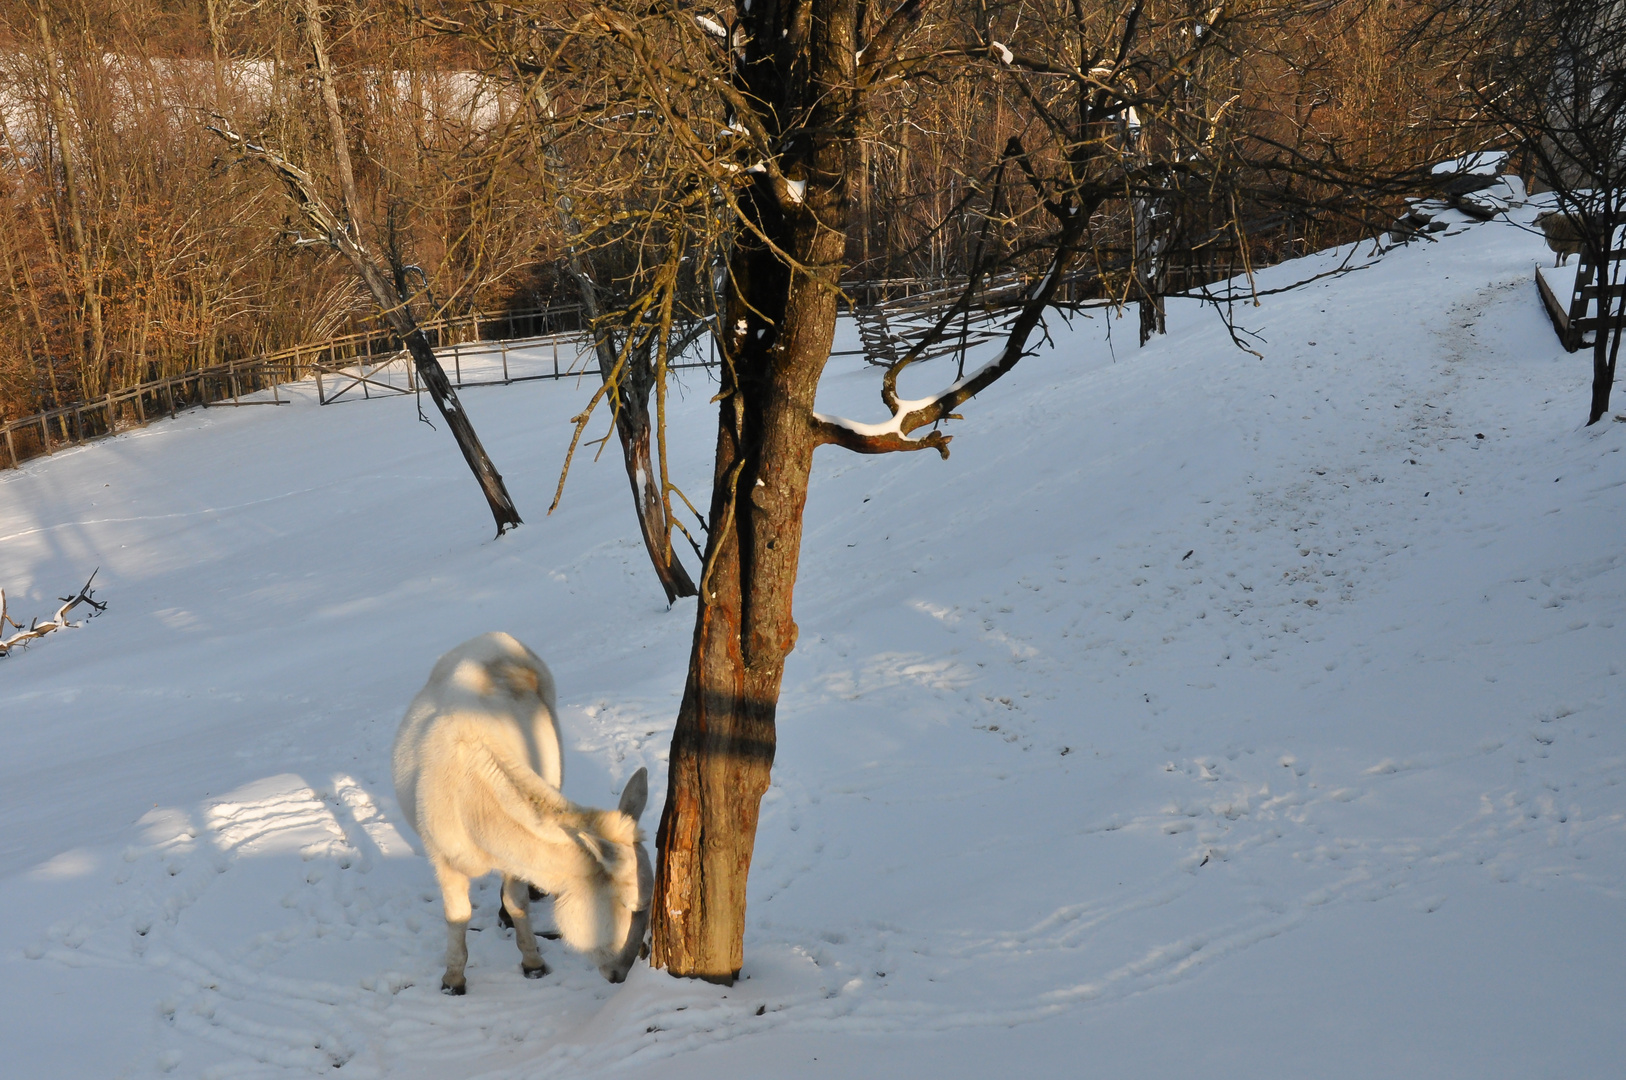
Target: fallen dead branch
[(37, 629)]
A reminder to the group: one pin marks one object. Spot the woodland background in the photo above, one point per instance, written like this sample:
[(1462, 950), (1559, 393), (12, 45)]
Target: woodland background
[(135, 246)]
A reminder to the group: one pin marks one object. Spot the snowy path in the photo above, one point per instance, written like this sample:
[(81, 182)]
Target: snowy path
[(1200, 711)]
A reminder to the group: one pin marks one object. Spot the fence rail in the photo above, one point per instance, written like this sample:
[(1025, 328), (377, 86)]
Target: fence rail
[(483, 358), (226, 384), (363, 361)]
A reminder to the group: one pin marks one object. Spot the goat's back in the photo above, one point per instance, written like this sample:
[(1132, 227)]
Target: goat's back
[(490, 689)]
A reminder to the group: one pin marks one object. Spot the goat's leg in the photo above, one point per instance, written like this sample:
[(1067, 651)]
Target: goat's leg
[(507, 923), (454, 893), (516, 902)]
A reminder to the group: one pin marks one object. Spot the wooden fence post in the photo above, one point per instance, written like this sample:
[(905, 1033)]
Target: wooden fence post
[(11, 448)]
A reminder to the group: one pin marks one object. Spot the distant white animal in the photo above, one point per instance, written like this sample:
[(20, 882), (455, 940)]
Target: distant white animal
[(1563, 234), (477, 773)]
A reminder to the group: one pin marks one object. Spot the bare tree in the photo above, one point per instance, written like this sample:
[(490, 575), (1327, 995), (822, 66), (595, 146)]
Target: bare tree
[(744, 130), (392, 292), (626, 348), (627, 374)]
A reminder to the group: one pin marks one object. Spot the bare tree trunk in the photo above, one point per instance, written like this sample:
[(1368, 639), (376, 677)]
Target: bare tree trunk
[(633, 426), (631, 409), (1151, 229), (390, 297), (1150, 272), (630, 406), (723, 746), (780, 325), (90, 287), (214, 51)]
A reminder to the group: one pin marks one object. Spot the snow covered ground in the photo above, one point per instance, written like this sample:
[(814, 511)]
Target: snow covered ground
[(1202, 715)]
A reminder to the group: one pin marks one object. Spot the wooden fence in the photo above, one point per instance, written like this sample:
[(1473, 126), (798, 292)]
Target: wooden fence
[(488, 363), (1592, 298), (893, 294), (226, 384), (893, 315), (355, 361)]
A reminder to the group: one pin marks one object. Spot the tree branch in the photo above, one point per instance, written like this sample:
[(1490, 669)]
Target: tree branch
[(37, 629)]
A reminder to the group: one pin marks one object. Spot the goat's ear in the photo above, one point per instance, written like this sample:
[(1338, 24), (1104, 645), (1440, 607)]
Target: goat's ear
[(602, 851), (635, 794)]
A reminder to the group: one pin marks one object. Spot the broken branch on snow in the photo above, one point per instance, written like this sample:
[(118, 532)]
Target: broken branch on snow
[(37, 629)]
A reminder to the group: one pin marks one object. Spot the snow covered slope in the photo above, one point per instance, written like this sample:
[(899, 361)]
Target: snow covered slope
[(1203, 714)]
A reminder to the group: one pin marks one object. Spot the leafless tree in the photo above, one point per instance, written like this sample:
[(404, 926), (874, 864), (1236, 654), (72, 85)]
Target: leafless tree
[(392, 293), (741, 138), (631, 348), (734, 167)]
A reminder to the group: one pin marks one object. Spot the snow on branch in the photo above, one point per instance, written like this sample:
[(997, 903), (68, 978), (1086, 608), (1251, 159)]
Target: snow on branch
[(910, 415), (883, 438), (37, 629)]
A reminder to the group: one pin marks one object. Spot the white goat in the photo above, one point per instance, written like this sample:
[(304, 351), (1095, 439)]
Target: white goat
[(477, 773)]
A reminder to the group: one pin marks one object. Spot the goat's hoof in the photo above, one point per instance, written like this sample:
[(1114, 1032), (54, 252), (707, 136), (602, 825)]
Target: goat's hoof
[(457, 989), (534, 972)]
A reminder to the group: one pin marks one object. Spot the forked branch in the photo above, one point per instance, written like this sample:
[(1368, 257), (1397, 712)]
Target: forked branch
[(894, 434)]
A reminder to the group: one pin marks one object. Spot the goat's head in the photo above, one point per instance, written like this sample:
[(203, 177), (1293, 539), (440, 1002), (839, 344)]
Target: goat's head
[(608, 916)]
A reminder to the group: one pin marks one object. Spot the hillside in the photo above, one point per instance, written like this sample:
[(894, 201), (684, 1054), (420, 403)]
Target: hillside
[(1202, 714)]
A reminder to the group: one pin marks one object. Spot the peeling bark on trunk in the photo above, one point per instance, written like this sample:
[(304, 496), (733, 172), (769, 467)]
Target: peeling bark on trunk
[(723, 747), (780, 325)]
